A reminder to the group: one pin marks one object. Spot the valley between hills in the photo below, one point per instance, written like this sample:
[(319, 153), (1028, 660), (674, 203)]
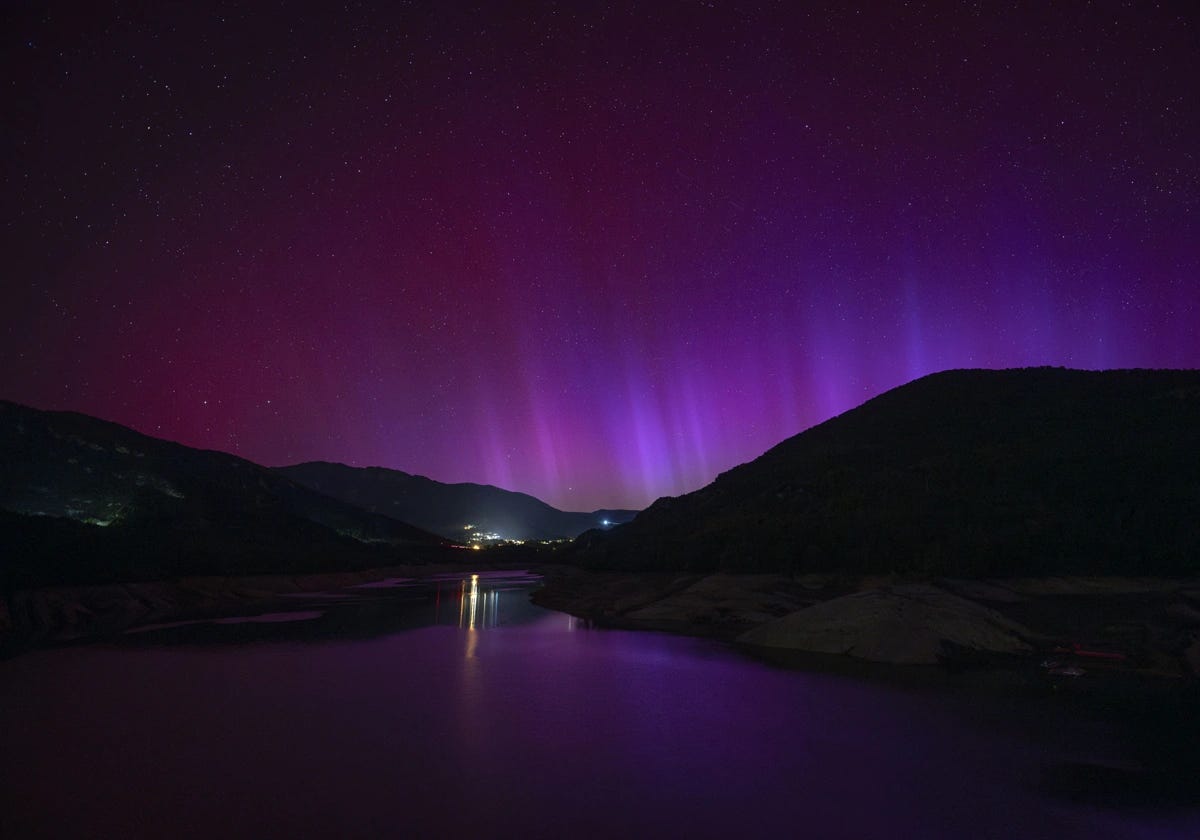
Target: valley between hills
[(1040, 519)]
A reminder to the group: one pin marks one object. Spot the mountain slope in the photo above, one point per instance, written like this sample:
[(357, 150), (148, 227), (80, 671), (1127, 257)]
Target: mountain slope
[(93, 499), (963, 472), (448, 509)]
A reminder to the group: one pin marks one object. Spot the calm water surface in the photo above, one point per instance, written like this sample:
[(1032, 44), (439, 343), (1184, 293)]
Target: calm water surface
[(455, 708)]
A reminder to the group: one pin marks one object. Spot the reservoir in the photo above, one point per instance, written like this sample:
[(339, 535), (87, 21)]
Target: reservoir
[(452, 707)]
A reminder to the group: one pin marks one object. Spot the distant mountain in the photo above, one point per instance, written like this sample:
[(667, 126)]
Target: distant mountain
[(448, 509), (88, 500), (968, 472)]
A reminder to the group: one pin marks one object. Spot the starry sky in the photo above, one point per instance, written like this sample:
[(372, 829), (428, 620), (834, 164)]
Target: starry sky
[(594, 252)]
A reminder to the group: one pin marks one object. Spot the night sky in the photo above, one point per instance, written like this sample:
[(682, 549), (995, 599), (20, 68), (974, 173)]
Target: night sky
[(597, 253)]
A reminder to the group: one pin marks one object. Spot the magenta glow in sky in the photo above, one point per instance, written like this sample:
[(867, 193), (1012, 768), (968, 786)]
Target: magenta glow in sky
[(595, 253)]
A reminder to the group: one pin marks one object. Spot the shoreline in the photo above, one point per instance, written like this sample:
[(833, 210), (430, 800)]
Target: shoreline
[(1150, 697), (60, 615), (1152, 708), (1150, 625), (1152, 620)]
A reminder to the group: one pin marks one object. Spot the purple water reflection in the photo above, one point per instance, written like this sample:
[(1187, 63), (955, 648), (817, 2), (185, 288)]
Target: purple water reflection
[(534, 729)]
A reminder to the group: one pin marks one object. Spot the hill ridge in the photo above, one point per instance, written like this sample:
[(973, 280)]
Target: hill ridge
[(447, 508), (86, 500), (958, 472)]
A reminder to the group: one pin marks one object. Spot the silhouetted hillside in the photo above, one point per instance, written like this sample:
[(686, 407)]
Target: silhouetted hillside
[(88, 500), (447, 509), (959, 473)]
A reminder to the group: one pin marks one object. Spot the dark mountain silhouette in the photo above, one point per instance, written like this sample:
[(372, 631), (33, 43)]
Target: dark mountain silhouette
[(85, 500), (447, 509), (967, 472)]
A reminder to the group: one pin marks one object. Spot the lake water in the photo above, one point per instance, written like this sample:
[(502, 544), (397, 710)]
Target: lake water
[(454, 708)]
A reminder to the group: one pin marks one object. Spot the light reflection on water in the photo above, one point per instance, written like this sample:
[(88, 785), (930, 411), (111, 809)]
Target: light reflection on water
[(454, 708), (481, 610), (479, 601)]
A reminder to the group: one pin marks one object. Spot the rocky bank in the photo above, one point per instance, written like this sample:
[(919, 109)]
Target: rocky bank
[(1099, 624)]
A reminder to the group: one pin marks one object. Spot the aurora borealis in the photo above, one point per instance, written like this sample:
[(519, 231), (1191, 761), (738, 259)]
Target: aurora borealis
[(592, 252)]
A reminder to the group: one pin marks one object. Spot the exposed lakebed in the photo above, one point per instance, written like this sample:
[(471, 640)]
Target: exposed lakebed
[(451, 706)]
